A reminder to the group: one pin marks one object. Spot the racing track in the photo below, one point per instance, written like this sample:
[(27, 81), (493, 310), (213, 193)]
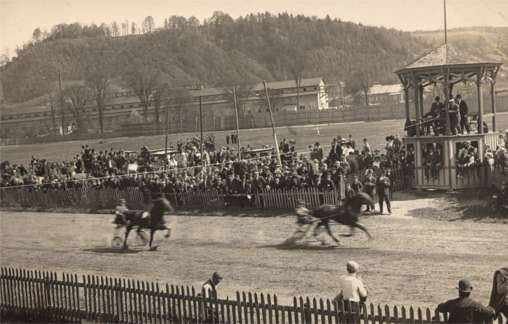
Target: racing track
[(411, 260)]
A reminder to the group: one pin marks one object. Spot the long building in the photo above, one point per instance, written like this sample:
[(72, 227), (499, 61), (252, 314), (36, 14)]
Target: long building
[(124, 107)]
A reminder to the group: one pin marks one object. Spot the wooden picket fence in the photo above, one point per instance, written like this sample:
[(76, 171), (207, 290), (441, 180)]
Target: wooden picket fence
[(91, 198), (32, 295)]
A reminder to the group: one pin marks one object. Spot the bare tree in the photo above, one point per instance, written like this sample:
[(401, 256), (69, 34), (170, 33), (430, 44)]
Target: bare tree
[(37, 35), (115, 30), (134, 28), (98, 67), (148, 24), (78, 96), (143, 81)]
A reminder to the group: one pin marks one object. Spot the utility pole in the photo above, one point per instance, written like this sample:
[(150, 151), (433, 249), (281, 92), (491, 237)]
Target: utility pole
[(237, 124), (62, 108), (445, 31), (275, 141), (201, 124), (166, 134)]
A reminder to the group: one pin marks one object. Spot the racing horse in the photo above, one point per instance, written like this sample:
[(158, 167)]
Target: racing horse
[(347, 214), (154, 222)]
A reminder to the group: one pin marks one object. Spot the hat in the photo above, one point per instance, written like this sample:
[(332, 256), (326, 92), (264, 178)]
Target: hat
[(352, 266), (464, 286), (216, 276)]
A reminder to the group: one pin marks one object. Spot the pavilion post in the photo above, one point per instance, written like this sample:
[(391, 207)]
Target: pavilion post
[(447, 103), (420, 98), (406, 103), (417, 108), (493, 103), (480, 102)]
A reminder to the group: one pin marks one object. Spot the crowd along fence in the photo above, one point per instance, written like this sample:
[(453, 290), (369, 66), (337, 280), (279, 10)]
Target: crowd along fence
[(32, 295), (102, 198)]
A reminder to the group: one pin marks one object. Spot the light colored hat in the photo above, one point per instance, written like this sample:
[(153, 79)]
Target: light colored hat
[(352, 266)]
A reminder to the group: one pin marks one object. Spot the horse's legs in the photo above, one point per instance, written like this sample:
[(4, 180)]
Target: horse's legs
[(141, 235), (362, 227), (152, 231), (329, 231), (127, 231)]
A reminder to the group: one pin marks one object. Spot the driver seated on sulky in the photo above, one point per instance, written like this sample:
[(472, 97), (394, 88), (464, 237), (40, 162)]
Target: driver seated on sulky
[(121, 210), (303, 214)]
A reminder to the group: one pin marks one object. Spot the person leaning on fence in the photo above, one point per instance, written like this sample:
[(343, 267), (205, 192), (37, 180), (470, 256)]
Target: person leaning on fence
[(464, 309), (209, 292), (353, 291)]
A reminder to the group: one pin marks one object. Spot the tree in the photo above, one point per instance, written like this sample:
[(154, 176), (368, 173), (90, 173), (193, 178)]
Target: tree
[(148, 24), (125, 28), (133, 28), (115, 30), (143, 81), (98, 67), (78, 96), (37, 35)]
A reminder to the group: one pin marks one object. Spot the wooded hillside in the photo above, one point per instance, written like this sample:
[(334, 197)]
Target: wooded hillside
[(219, 51)]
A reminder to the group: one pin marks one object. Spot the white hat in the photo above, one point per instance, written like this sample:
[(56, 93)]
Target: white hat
[(352, 266)]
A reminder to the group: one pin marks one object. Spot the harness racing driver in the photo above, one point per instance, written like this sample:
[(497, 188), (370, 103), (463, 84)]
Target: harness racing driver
[(303, 215)]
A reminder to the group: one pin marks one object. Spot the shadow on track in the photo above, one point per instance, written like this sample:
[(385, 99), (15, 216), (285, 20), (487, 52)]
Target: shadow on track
[(110, 250), (306, 246)]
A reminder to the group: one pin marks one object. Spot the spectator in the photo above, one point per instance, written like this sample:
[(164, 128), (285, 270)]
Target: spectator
[(463, 110), (464, 309), (353, 292), (383, 185), (210, 286)]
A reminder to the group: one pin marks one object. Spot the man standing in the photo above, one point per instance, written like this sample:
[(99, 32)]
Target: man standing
[(464, 309), (463, 110), (353, 291), (210, 286), (453, 112), (383, 185), (209, 313)]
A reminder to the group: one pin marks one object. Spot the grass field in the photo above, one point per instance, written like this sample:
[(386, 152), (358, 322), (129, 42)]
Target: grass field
[(412, 260), (375, 132)]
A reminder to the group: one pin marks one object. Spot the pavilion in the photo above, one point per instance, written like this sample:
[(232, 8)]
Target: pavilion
[(444, 68)]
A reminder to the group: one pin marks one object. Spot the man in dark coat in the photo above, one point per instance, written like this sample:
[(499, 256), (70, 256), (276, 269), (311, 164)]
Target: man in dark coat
[(383, 185), (464, 309), (463, 110)]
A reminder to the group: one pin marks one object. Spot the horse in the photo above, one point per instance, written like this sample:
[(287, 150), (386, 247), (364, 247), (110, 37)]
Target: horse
[(347, 214), (154, 222)]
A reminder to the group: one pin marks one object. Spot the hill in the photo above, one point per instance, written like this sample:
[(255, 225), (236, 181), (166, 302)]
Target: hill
[(489, 43), (219, 51)]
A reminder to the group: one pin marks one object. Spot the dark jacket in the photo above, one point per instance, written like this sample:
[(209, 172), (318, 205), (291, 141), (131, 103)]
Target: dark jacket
[(466, 310), (464, 110)]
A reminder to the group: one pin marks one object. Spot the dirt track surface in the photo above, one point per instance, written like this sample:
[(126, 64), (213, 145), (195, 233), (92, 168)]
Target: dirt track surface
[(410, 261)]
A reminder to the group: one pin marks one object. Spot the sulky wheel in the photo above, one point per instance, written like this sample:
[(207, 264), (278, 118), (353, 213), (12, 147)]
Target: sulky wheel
[(117, 242)]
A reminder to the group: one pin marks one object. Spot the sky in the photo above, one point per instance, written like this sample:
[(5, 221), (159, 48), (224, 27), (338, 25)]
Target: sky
[(18, 18)]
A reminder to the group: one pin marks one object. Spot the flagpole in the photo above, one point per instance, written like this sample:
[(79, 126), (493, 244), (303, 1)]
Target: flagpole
[(276, 142), (237, 124)]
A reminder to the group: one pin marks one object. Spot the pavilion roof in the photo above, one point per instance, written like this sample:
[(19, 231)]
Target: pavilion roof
[(446, 55)]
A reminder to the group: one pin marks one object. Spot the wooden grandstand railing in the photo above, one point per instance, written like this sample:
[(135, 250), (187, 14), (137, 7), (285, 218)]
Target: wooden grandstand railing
[(28, 295)]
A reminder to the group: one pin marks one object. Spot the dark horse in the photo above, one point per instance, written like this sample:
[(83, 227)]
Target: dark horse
[(154, 222), (347, 214)]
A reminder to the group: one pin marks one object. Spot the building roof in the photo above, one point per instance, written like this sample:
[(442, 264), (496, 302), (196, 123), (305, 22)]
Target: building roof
[(378, 89), (288, 84)]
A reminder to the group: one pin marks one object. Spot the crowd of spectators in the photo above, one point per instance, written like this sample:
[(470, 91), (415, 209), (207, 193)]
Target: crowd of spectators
[(188, 167)]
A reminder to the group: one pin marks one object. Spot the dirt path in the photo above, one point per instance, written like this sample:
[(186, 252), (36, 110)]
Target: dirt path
[(411, 260)]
